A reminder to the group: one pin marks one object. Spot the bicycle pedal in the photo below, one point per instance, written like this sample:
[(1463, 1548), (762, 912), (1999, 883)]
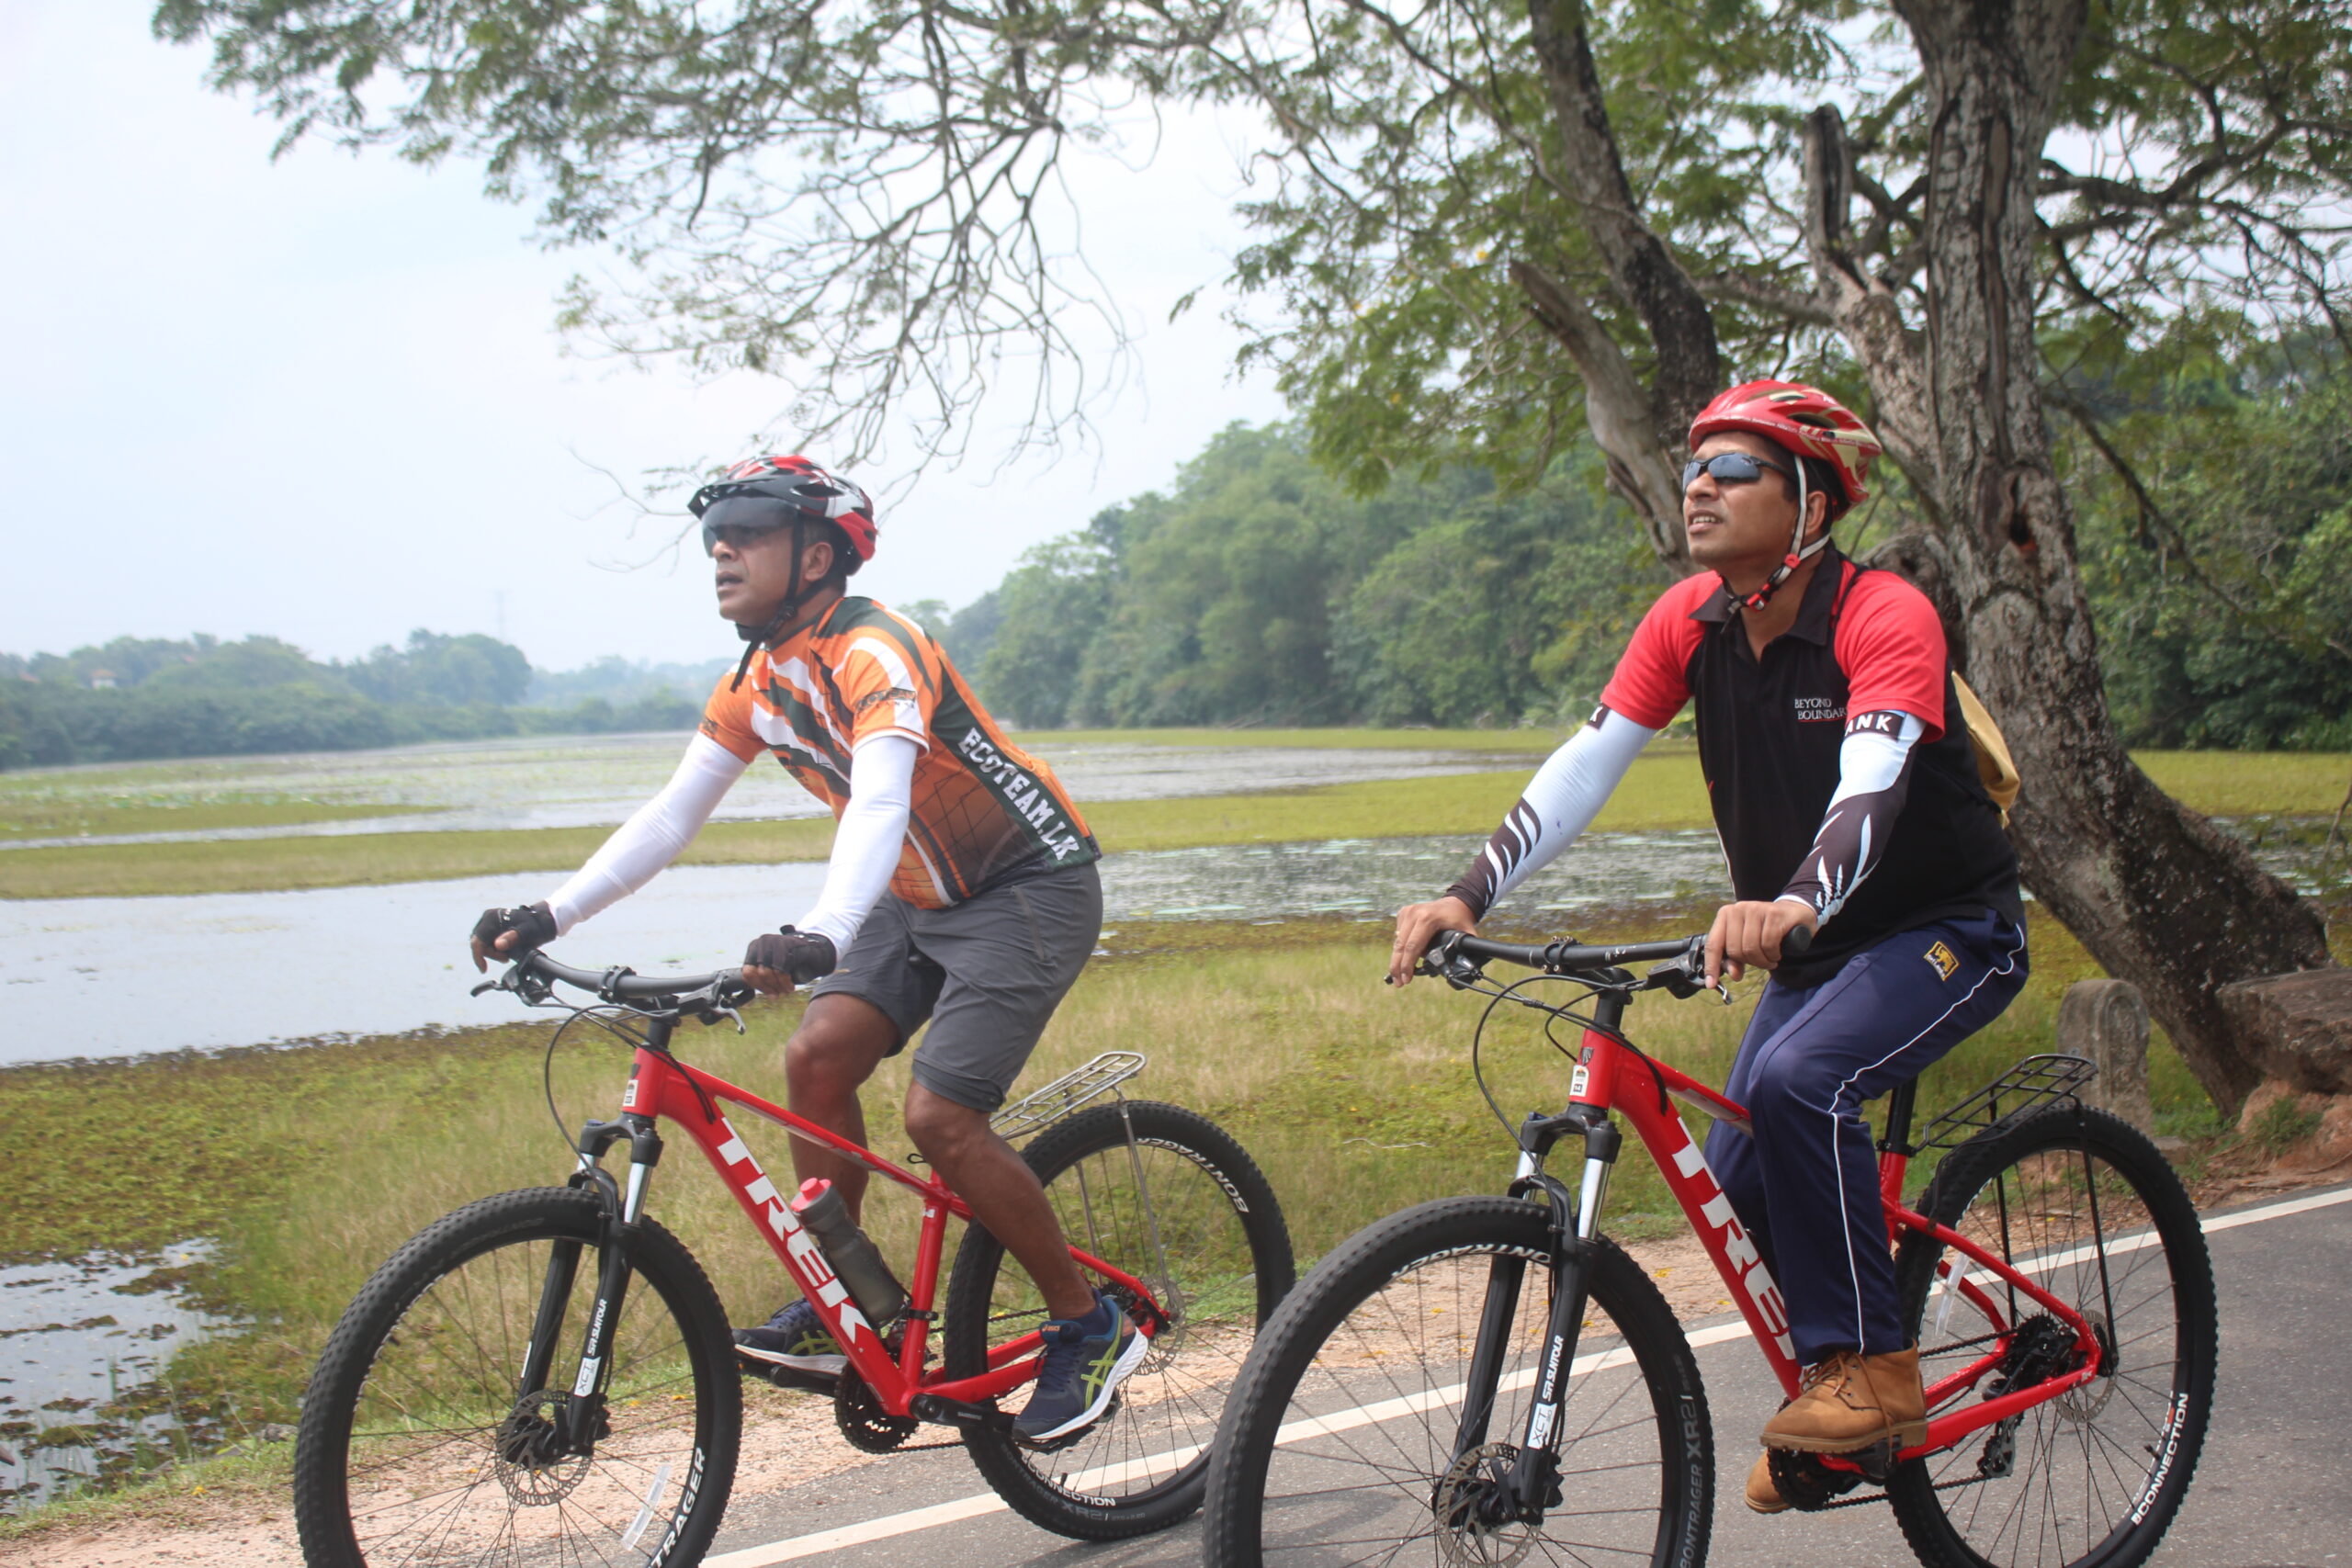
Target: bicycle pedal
[(791, 1377), (1876, 1463)]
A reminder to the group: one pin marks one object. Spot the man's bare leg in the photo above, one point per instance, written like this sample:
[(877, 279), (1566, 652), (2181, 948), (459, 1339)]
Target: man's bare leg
[(839, 1043), (989, 1175)]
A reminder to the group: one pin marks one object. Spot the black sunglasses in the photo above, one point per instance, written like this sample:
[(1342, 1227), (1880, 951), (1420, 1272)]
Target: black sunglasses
[(1730, 468)]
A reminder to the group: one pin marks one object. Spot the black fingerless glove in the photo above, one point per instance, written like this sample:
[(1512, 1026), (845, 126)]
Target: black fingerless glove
[(804, 956), (534, 925)]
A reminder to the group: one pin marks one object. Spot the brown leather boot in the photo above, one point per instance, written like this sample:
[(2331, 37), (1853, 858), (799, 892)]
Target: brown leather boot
[(1763, 1496), (1851, 1401)]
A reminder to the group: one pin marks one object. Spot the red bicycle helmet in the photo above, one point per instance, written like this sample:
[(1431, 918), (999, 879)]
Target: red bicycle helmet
[(1806, 421), (807, 491)]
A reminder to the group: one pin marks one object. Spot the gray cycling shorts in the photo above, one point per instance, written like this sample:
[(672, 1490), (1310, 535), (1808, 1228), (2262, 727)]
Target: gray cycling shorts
[(985, 975)]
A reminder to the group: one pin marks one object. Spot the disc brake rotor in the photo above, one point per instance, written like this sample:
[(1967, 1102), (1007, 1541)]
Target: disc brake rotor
[(1466, 1538), (535, 1474)]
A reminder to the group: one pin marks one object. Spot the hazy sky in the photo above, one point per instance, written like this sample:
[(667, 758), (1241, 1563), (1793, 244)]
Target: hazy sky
[(323, 399)]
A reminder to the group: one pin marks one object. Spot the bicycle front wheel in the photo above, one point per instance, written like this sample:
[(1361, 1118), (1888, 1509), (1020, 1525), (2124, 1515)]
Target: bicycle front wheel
[(415, 1446), (2088, 1208), (1183, 1208), (1340, 1448)]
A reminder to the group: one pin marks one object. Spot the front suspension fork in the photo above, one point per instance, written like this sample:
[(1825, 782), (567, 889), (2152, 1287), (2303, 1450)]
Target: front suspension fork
[(1533, 1479), (580, 1418)]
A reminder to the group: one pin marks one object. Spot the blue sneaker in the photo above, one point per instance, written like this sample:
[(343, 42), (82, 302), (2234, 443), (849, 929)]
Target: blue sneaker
[(795, 1337), (1086, 1361)]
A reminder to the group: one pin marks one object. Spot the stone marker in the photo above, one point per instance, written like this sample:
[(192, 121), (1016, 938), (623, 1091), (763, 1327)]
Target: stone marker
[(2106, 1022), (2296, 1027)]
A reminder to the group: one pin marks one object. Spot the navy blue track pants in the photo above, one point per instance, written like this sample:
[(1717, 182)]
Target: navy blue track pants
[(1806, 1184)]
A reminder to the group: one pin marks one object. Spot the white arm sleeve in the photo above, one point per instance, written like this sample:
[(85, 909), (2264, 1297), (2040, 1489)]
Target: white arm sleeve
[(872, 836), (655, 836), (1561, 801), (1873, 782)]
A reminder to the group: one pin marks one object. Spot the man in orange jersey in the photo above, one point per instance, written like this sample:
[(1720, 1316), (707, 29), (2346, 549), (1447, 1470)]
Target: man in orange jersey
[(962, 892)]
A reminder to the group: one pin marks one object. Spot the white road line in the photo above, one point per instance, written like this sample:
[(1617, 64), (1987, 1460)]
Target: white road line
[(984, 1503)]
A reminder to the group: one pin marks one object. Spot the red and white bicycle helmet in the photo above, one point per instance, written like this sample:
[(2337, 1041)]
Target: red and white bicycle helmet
[(772, 492), (1807, 423), (1805, 419)]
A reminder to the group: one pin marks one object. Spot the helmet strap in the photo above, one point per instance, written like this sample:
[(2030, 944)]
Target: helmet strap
[(1799, 551), (756, 638)]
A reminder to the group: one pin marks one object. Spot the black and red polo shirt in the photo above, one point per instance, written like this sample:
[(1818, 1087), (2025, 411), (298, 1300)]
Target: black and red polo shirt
[(1770, 731)]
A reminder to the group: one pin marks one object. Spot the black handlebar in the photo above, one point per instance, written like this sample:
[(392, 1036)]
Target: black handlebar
[(705, 995), (1566, 957)]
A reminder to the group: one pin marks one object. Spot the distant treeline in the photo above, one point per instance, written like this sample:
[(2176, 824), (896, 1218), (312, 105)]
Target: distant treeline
[(138, 697), (1257, 591), (2214, 513), (2215, 524)]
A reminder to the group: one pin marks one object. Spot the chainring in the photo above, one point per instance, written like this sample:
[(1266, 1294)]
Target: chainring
[(859, 1413), (1804, 1481)]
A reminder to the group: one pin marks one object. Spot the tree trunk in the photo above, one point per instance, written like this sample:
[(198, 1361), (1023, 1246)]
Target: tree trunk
[(2154, 891)]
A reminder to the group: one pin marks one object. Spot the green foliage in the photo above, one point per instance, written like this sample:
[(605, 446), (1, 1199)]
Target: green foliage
[(448, 671), (1257, 591), (135, 698), (1049, 610), (2214, 529)]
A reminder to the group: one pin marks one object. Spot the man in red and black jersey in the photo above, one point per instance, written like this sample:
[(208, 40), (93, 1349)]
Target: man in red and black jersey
[(1847, 800)]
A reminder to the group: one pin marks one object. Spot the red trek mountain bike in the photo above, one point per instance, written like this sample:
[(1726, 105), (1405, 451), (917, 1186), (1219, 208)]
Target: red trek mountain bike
[(1483, 1381), (548, 1376)]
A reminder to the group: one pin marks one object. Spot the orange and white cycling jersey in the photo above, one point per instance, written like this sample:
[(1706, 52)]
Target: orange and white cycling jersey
[(983, 810)]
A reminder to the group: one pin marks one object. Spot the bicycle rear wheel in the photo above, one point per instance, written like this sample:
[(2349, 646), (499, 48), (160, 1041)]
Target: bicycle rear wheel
[(2085, 1205), (1187, 1212), (1339, 1447), (415, 1449)]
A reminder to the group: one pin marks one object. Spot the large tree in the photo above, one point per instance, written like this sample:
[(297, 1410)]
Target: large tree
[(1486, 223)]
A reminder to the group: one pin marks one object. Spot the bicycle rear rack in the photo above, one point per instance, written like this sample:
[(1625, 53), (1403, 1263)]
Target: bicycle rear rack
[(1034, 1112), (2025, 1088)]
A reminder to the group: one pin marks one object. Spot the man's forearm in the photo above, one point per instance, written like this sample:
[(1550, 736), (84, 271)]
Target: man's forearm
[(1873, 781), (655, 835), (1561, 801), (869, 841)]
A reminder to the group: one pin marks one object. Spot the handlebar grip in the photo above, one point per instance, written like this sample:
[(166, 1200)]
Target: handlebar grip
[(621, 984)]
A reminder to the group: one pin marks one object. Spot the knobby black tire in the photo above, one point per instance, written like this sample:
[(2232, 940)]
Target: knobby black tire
[(1368, 1445), (1229, 1251), (420, 1369), (2095, 1477)]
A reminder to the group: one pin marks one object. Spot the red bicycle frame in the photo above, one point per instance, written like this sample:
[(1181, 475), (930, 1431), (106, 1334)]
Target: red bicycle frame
[(1611, 1077), (659, 1086)]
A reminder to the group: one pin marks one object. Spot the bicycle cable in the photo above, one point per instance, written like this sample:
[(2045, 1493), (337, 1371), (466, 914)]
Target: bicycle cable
[(604, 1018), (1555, 1016)]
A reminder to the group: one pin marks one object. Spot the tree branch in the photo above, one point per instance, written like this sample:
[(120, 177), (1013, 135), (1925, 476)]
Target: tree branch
[(1617, 409)]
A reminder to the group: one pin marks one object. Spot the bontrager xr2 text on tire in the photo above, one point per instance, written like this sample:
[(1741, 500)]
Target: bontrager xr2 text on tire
[(1339, 1447), (2087, 1207), (415, 1446), (1181, 1208)]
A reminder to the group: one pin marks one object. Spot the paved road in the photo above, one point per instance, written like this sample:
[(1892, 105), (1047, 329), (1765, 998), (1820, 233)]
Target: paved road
[(2273, 1490)]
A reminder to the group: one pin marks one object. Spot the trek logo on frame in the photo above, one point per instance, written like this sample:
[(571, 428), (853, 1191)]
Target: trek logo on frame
[(759, 1194)]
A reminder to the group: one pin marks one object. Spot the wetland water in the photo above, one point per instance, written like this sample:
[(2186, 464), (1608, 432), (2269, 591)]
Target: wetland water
[(76, 1335), (126, 977), (597, 779)]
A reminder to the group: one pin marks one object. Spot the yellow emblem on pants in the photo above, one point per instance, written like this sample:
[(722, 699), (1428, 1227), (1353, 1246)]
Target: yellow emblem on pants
[(1941, 957)]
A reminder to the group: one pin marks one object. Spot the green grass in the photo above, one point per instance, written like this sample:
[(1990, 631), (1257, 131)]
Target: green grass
[(26, 815), (311, 1166), (2252, 784), (1664, 791), (1535, 741)]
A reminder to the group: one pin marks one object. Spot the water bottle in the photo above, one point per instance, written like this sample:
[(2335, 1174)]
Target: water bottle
[(854, 1257)]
